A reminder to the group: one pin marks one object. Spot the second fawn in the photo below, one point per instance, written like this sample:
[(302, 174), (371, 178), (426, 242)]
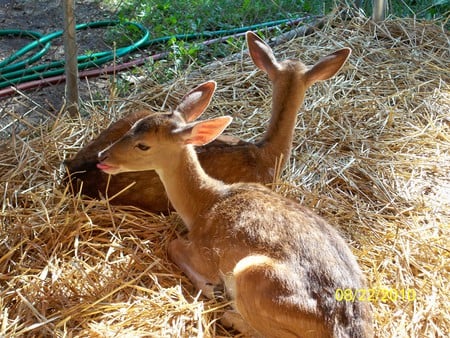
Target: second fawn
[(278, 262), (226, 158)]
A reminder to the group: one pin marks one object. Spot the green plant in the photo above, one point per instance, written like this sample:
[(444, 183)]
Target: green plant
[(169, 17), (175, 17)]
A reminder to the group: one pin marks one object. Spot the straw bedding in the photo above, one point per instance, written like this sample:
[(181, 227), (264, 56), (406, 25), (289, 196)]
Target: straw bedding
[(371, 154)]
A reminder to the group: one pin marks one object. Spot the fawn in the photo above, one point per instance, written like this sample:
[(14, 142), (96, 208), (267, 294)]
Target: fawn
[(228, 159), (277, 261)]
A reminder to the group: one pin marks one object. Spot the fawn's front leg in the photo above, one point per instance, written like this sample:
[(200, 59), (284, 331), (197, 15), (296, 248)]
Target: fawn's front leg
[(202, 271), (200, 268)]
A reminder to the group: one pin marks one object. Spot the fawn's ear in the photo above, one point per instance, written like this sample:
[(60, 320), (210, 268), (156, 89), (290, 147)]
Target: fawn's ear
[(203, 132), (261, 54), (328, 66), (196, 101)]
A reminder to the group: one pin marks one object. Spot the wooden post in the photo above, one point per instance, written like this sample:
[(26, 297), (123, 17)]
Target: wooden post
[(379, 10), (70, 56)]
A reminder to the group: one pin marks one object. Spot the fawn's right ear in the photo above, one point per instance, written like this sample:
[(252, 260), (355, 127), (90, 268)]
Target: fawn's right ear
[(328, 66), (196, 101), (202, 132)]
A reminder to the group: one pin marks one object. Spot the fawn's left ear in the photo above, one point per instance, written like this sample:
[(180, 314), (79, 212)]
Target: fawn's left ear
[(262, 55), (196, 101), (203, 132)]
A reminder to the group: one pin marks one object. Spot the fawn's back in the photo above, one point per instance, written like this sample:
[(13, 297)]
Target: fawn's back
[(308, 257), (227, 158)]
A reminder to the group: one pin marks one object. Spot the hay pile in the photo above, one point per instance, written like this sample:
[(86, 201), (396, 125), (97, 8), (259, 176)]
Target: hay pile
[(371, 154)]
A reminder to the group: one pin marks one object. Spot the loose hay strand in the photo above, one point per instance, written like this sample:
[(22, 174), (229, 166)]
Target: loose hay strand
[(371, 154)]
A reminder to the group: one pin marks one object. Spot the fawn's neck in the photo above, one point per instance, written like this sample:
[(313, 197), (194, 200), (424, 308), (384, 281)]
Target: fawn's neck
[(189, 188), (288, 95)]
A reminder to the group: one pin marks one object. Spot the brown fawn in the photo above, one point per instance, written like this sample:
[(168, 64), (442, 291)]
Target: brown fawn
[(279, 263), (228, 159)]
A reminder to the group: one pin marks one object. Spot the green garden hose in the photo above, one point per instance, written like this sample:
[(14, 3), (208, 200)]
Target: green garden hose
[(4, 68), (16, 69), (19, 72)]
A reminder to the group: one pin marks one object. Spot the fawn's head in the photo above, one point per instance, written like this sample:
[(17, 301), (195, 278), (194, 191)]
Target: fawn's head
[(264, 58), (154, 139)]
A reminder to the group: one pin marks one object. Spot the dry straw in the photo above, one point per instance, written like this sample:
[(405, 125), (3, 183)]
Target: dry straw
[(371, 154)]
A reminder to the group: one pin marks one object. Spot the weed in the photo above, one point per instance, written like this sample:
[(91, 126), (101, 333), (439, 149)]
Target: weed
[(176, 17)]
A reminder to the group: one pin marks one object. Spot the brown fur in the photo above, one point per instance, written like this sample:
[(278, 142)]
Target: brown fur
[(277, 261), (227, 158)]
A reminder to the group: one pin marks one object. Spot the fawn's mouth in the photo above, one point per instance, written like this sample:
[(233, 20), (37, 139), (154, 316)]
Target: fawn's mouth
[(109, 169)]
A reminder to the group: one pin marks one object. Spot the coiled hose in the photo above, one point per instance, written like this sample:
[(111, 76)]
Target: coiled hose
[(19, 73)]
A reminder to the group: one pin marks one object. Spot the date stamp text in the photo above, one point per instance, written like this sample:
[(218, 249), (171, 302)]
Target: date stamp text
[(375, 295)]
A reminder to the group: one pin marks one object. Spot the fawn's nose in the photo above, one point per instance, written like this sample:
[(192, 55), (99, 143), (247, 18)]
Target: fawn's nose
[(102, 156)]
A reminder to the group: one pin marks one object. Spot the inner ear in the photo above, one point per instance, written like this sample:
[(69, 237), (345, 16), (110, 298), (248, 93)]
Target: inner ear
[(261, 54), (203, 132), (328, 66), (196, 101)]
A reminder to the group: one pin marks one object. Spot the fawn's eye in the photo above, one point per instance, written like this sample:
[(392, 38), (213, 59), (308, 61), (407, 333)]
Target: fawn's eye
[(142, 146)]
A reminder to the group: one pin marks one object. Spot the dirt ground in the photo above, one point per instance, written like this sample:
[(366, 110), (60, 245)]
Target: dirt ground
[(44, 16)]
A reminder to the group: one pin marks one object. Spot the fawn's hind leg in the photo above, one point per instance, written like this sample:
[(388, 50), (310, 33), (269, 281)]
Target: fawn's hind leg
[(270, 305)]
